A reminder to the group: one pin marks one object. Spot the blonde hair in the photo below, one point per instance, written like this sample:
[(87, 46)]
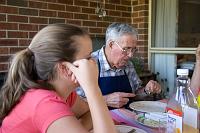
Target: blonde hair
[(51, 45)]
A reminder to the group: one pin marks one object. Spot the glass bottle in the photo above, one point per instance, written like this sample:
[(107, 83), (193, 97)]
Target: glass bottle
[(186, 99), (174, 110)]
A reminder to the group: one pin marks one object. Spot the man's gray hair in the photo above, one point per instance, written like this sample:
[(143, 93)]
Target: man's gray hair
[(116, 30)]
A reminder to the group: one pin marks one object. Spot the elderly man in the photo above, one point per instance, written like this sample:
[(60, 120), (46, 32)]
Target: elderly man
[(118, 79)]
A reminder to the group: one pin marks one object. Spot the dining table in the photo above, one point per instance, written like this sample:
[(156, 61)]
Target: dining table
[(124, 116)]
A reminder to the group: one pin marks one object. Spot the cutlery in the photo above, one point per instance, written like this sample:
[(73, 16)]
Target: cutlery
[(132, 131)]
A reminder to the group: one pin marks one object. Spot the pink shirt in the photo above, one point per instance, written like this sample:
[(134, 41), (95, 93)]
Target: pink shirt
[(37, 109)]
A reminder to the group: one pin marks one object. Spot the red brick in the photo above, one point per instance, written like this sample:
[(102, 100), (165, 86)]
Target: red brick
[(17, 34), (65, 15), (2, 34), (32, 34), (122, 20), (102, 24), (94, 17), (129, 20), (40, 5), (38, 20), (28, 27), (8, 42), (108, 19), (110, 6), (42, 26), (81, 3), (143, 37), (4, 50), (89, 23), (114, 1), (76, 22), (14, 18), (14, 50), (3, 2), (114, 13), (9, 26), (2, 17), (140, 7), (129, 9), (56, 7), (95, 30), (4, 58), (126, 14), (3, 67), (21, 3), (69, 2), (73, 8), (143, 25), (55, 20), (135, 14), (81, 16), (53, 1), (88, 10), (26, 11), (142, 48), (135, 2), (143, 13), (47, 13), (24, 42), (8, 9), (126, 2), (139, 19), (143, 1), (135, 25), (93, 4), (139, 43), (121, 8)]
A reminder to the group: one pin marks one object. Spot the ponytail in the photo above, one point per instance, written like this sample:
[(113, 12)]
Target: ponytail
[(21, 77)]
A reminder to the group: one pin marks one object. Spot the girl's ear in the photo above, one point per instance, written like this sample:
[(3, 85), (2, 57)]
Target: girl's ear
[(64, 69)]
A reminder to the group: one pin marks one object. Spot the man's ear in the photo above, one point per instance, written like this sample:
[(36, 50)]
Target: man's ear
[(110, 43)]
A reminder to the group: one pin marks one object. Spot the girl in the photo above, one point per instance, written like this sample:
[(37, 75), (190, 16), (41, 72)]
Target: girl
[(38, 95)]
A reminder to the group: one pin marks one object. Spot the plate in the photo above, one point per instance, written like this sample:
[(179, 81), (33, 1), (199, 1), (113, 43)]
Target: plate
[(148, 106), (128, 129)]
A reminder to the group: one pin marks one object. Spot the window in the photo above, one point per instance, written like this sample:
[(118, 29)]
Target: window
[(173, 38)]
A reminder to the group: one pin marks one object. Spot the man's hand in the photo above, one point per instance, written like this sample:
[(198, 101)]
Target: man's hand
[(153, 87), (118, 99)]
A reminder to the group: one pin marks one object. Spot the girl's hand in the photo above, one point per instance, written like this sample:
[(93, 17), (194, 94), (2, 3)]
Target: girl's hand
[(85, 71)]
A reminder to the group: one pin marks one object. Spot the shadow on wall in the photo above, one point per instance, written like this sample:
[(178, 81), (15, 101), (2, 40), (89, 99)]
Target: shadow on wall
[(2, 78), (97, 42)]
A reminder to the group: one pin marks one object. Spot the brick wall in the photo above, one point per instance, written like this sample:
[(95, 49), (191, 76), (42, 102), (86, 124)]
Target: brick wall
[(21, 19), (140, 21)]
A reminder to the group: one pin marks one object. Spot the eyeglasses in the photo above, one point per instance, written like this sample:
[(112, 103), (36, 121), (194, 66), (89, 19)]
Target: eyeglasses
[(127, 51)]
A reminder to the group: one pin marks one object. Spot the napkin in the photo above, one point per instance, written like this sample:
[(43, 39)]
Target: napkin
[(156, 116)]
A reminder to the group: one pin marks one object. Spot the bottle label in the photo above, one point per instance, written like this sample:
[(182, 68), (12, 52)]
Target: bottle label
[(174, 120), (175, 112), (174, 123)]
